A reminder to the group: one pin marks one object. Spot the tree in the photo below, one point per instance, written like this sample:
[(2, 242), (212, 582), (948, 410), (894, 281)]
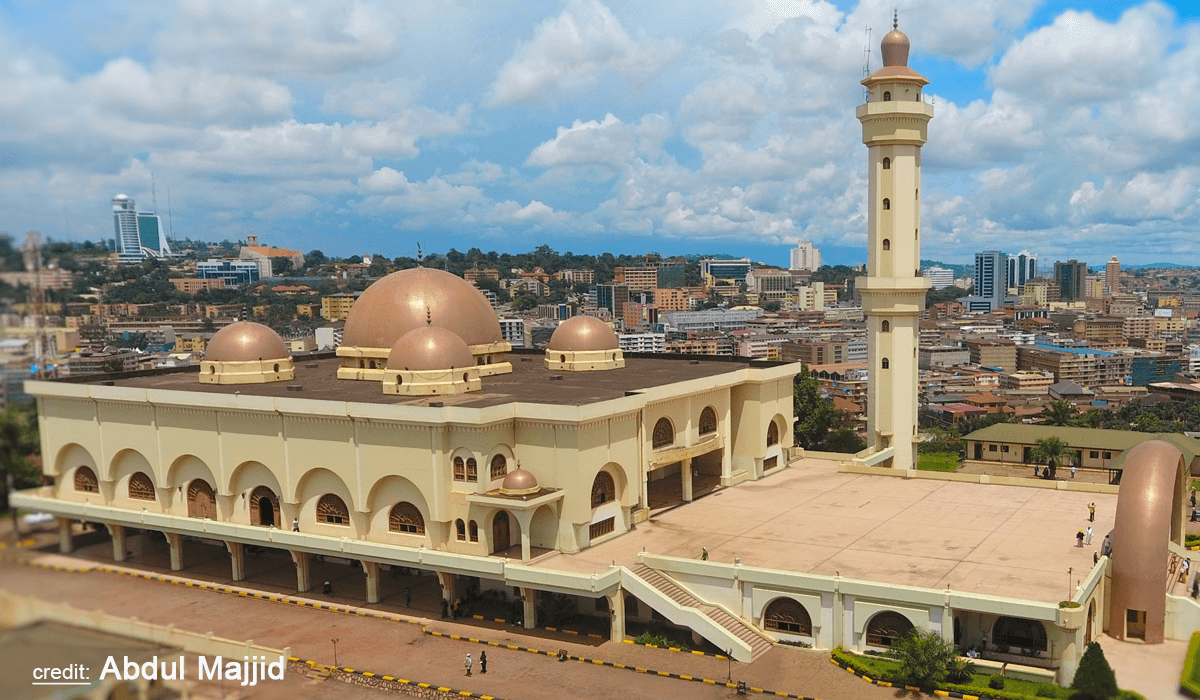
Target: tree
[(815, 415), (18, 443), (280, 266), (1059, 412), (924, 657), (1053, 452), (772, 306), (1094, 679)]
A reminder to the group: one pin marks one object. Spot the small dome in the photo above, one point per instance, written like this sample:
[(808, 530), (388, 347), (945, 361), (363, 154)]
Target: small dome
[(895, 48), (407, 300), (519, 483), (582, 334), (121, 197), (245, 341), (429, 348)]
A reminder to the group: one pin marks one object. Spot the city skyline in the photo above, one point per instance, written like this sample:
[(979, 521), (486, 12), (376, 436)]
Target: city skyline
[(594, 127)]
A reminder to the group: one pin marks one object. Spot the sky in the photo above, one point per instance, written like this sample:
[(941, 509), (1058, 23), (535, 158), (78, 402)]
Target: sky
[(707, 126)]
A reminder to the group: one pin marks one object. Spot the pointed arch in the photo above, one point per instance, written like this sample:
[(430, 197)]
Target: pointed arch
[(708, 420), (604, 489), (141, 487), (85, 480), (201, 500)]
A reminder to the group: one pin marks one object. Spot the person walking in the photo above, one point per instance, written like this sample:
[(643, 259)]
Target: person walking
[(1193, 498), (704, 554), (467, 663), (407, 598), (1079, 539), (1091, 512), (483, 662), (1073, 471), (295, 524), (1035, 471), (1087, 538)]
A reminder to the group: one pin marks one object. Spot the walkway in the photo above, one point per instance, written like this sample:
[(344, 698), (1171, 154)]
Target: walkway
[(402, 650)]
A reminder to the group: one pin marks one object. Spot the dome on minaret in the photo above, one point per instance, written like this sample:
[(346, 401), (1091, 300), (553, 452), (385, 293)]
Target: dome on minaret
[(895, 48)]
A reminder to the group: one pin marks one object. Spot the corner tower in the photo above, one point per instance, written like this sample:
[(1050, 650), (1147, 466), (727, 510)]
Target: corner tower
[(894, 121)]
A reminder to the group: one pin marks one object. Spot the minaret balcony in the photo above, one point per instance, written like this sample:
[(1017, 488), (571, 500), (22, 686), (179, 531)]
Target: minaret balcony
[(913, 108)]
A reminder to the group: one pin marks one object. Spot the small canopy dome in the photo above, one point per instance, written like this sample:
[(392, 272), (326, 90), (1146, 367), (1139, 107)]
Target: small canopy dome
[(582, 334), (895, 48), (430, 348), (122, 197), (245, 341), (405, 300), (519, 482)]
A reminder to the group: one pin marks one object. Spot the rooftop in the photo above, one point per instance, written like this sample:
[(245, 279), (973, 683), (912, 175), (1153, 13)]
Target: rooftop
[(997, 540), (529, 381)]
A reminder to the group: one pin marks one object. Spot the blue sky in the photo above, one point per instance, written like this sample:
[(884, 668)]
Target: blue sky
[(1062, 128)]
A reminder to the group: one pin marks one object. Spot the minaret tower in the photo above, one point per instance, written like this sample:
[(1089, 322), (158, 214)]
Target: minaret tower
[(894, 121)]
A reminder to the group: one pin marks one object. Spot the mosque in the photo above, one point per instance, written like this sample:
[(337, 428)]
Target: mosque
[(426, 442)]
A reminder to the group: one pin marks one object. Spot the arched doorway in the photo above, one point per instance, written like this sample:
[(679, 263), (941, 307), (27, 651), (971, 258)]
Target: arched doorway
[(201, 501), (788, 616), (264, 507), (500, 532), (1019, 634), (887, 627)]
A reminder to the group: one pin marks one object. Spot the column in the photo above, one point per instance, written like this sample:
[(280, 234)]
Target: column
[(118, 541), (303, 584), (685, 470), (616, 608), (66, 542), (372, 571), (448, 583), (175, 540), (524, 518), (530, 614), (237, 555)]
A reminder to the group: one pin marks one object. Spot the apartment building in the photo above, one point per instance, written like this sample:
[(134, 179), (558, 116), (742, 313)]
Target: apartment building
[(993, 353), (642, 342), (637, 278), (1100, 330), (336, 307), (667, 299)]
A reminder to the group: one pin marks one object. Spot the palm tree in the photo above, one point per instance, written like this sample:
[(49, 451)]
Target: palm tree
[(1053, 452), (1058, 412)]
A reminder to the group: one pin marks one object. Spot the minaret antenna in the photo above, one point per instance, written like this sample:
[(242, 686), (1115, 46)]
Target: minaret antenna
[(420, 256), (867, 63), (153, 193), (170, 221)]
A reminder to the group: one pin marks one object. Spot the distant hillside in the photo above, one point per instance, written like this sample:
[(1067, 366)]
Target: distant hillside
[(1159, 266)]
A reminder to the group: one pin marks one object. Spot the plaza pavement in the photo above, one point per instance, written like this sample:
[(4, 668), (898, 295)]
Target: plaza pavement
[(1009, 541), (395, 648)]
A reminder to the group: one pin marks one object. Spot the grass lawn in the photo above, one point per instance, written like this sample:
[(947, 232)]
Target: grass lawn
[(938, 462)]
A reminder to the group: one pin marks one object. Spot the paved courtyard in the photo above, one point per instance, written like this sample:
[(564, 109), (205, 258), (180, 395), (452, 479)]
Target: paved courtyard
[(999, 540)]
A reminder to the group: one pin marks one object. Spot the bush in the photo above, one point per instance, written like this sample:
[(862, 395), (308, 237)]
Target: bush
[(996, 682), (961, 670), (1094, 680), (659, 640), (1047, 690), (924, 657)]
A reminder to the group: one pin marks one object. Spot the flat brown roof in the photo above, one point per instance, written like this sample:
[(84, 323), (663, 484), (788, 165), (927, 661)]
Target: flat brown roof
[(529, 382)]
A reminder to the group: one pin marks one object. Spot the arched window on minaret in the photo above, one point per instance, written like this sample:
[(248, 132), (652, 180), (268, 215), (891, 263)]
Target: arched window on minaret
[(887, 97), (885, 327), (887, 163), (887, 244), (887, 204), (885, 363)]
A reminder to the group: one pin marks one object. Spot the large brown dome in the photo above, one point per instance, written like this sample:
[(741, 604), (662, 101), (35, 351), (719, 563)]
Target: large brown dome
[(519, 482), (245, 341), (404, 300), (429, 348), (583, 334), (894, 48)]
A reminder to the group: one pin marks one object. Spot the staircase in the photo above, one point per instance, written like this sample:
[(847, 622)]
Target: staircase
[(759, 645)]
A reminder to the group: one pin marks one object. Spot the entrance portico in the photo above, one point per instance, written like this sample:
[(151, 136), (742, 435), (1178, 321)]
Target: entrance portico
[(680, 474)]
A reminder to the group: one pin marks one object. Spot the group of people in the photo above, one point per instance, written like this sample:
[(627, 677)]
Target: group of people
[(482, 662)]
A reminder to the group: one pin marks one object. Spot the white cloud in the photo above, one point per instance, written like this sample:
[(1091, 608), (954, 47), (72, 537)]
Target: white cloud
[(278, 36), (571, 51), (610, 143)]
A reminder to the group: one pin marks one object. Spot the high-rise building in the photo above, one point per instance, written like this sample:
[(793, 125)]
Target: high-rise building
[(719, 269), (1019, 269), (989, 282), (895, 125), (806, 257), (139, 233), (1070, 276), (939, 277), (1112, 276)]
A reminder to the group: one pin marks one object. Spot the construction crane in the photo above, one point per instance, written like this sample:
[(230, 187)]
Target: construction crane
[(43, 357)]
